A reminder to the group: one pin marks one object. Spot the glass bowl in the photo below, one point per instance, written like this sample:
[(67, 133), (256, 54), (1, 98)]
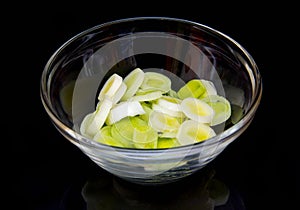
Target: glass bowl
[(178, 48)]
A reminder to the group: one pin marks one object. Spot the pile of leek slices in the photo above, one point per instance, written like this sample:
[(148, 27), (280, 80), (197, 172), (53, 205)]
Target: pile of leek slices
[(142, 111)]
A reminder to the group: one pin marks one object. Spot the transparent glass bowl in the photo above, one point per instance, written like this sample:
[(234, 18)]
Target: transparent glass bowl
[(178, 48)]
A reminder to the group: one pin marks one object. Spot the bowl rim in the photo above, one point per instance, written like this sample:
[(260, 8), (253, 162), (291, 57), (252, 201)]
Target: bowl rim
[(254, 75)]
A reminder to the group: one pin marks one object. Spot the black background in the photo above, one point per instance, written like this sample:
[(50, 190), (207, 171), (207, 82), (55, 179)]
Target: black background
[(43, 168)]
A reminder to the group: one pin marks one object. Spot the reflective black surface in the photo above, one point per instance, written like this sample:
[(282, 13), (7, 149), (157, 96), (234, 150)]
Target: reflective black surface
[(45, 171), (202, 190)]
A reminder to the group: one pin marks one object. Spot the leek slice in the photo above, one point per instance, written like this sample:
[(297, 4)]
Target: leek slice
[(163, 122), (148, 110), (124, 109), (120, 93), (135, 132), (151, 96), (133, 81), (154, 81), (197, 110), (169, 102), (104, 136), (210, 88), (170, 112), (193, 88), (99, 116), (164, 143), (221, 107), (191, 131), (110, 87), (84, 124)]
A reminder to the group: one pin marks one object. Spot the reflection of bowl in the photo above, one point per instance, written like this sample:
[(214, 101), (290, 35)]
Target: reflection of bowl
[(177, 48), (202, 189)]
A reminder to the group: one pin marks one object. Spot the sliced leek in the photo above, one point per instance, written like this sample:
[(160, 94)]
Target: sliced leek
[(191, 131), (170, 112), (104, 136), (193, 88), (236, 113), (124, 109), (119, 93), (168, 134), (164, 143), (197, 88), (154, 81), (134, 132), (110, 87), (147, 108), (221, 107), (147, 97), (133, 81), (197, 110), (99, 116), (210, 88), (144, 136), (169, 102), (84, 124), (122, 131), (142, 111), (163, 122), (172, 93)]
